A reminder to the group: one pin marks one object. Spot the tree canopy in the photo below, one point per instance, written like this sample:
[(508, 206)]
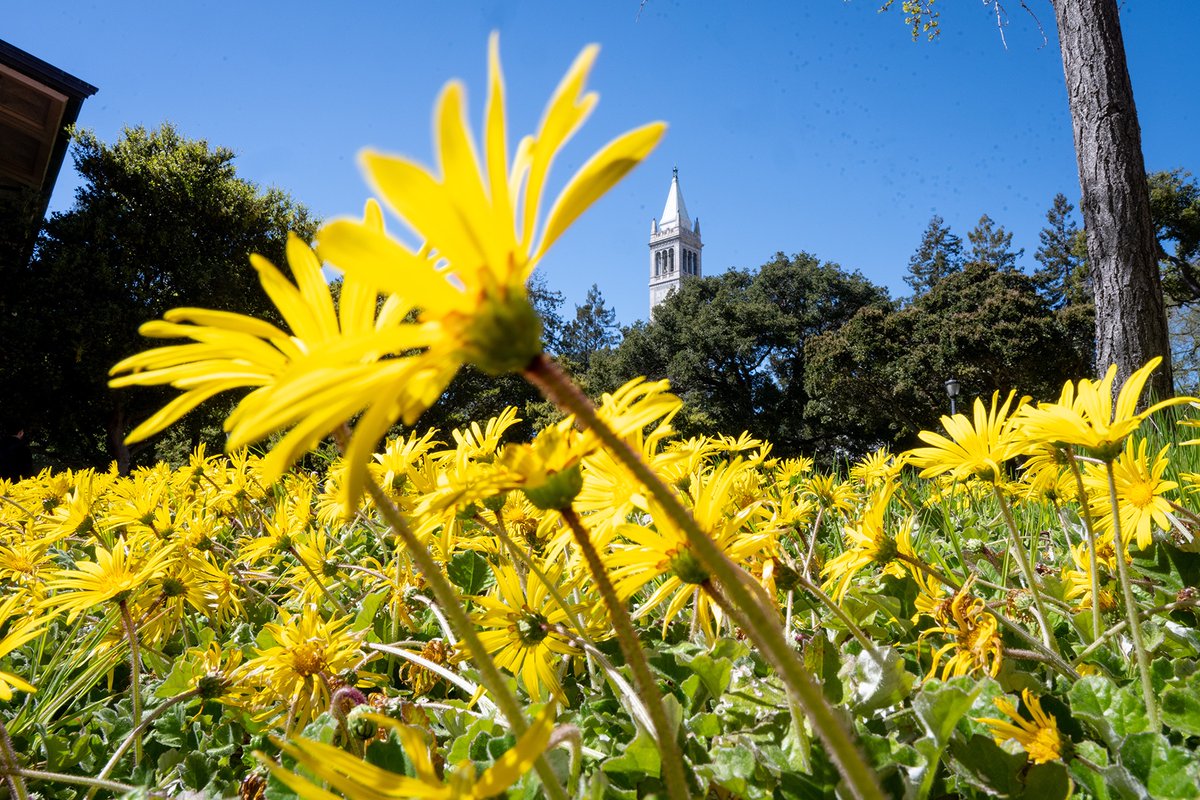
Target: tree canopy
[(883, 373), (733, 345), (159, 221)]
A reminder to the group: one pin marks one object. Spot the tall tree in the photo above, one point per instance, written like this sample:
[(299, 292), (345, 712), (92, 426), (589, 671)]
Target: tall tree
[(991, 245), (158, 221), (938, 255), (1131, 321), (884, 371), (1062, 276), (593, 329)]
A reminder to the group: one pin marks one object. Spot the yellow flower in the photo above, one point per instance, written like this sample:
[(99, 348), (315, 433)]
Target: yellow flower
[(1037, 736), (361, 780), (478, 221), (976, 638), (517, 631), (293, 674), (867, 542), (831, 493), (116, 574), (18, 634), (1140, 490), (330, 367), (976, 448), (877, 468), (664, 551), (1079, 580), (1086, 418)]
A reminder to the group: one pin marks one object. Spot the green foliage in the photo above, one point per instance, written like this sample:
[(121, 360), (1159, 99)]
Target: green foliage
[(733, 345), (883, 371), (991, 246), (1063, 275), (593, 329), (1175, 208), (919, 15), (159, 221), (938, 255)]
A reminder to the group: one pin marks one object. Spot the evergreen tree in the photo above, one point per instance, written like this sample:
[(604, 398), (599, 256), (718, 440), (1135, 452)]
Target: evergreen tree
[(593, 329), (991, 246), (1062, 277), (939, 255)]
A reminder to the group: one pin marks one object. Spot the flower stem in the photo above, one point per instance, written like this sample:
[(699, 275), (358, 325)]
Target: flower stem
[(1088, 530), (447, 598), (341, 609), (11, 767), (1131, 611), (1018, 548), (79, 780), (138, 731), (827, 601), (631, 648), (135, 669), (762, 623)]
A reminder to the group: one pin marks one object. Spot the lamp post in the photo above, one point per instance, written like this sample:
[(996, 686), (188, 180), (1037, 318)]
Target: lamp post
[(952, 392)]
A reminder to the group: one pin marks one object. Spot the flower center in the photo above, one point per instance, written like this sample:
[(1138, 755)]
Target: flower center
[(1044, 746), (308, 659), (1140, 495), (531, 628)]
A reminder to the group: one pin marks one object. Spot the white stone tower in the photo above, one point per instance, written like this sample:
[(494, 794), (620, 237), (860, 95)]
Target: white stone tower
[(674, 246)]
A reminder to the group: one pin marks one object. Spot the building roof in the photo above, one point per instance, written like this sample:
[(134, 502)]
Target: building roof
[(37, 103), (675, 211)]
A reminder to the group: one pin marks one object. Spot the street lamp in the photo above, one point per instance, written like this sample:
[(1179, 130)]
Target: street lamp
[(952, 392)]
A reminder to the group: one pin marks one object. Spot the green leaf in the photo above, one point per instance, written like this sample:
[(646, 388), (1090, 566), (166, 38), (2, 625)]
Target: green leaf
[(470, 572), (461, 749), (705, 725), (367, 611), (1168, 772), (939, 706), (1114, 712), (389, 754), (985, 765), (1181, 706), (732, 768), (876, 679), (715, 673), (640, 757)]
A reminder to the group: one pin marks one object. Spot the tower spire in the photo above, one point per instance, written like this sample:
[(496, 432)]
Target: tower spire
[(674, 246)]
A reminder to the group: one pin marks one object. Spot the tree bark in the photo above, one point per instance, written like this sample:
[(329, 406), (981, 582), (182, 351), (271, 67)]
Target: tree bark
[(1131, 321)]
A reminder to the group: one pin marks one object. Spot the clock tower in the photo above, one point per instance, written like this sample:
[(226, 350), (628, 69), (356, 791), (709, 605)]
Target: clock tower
[(674, 246)]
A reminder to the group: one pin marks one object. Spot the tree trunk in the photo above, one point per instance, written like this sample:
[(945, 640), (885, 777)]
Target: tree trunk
[(116, 439), (1131, 322)]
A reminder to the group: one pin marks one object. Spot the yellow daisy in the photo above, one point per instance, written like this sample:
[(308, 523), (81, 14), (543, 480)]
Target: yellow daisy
[(975, 447), (1140, 493), (1086, 417), (518, 631), (1037, 736)]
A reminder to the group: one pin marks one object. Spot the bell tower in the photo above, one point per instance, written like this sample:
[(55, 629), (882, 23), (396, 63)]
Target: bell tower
[(674, 246)]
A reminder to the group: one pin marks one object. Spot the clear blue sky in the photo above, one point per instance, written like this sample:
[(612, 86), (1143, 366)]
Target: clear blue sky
[(813, 125)]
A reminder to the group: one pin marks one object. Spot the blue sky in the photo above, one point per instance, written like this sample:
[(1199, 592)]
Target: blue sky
[(813, 125)]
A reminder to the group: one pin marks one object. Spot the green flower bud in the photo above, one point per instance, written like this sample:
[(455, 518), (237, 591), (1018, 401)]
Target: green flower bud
[(558, 491), (505, 334)]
